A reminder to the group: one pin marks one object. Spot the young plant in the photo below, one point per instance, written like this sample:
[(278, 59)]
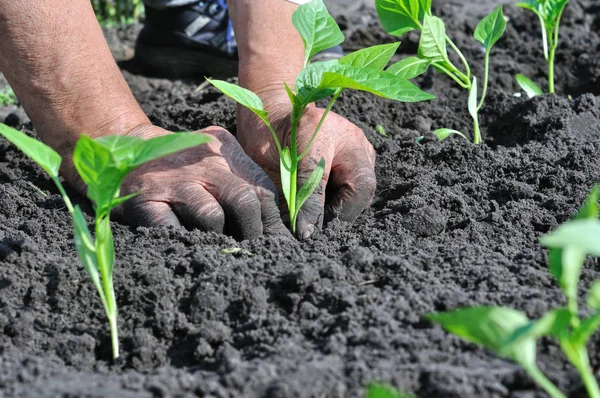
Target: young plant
[(511, 334), (402, 16), (380, 390), (549, 12), (362, 70), (102, 164)]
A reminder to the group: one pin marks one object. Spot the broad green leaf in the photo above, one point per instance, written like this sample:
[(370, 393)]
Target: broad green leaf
[(532, 5), (527, 85), (40, 153), (552, 10), (165, 145), (432, 45), (587, 328), (98, 171), (444, 133), (409, 67), (243, 97), (375, 57), (580, 234), (401, 16), (311, 183), (565, 265), (285, 164), (473, 99), (590, 208), (380, 390), (123, 149), (308, 82), (593, 295), (316, 26), (491, 28), (86, 249), (105, 246), (489, 327), (554, 323)]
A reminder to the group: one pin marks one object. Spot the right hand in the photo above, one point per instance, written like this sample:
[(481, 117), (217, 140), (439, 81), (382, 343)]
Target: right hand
[(213, 187)]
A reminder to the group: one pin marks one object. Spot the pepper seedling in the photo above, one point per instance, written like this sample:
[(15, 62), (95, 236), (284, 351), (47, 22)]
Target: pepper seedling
[(362, 70), (399, 17), (511, 334), (102, 164), (549, 12)]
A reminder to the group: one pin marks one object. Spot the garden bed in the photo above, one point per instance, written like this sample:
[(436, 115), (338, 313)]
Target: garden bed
[(452, 225)]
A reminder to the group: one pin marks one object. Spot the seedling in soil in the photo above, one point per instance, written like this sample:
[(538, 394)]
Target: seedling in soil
[(402, 16), (511, 334), (102, 164), (379, 390), (549, 12), (362, 70)]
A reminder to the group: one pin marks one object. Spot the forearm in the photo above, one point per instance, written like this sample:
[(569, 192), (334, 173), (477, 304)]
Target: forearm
[(55, 57), (270, 49)]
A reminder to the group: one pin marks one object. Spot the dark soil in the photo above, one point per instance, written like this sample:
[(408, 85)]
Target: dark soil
[(452, 225)]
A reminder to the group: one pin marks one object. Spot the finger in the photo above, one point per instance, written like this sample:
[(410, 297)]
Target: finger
[(196, 208), (239, 202), (310, 216), (143, 212), (352, 182)]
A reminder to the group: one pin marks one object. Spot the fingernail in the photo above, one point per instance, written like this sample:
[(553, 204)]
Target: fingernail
[(307, 232)]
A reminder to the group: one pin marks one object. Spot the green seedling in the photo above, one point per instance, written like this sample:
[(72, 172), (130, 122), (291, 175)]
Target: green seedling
[(102, 164), (381, 130), (362, 70), (7, 96), (511, 334), (549, 12), (380, 390), (399, 17)]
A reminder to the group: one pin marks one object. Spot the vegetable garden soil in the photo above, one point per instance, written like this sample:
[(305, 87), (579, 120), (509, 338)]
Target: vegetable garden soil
[(452, 225)]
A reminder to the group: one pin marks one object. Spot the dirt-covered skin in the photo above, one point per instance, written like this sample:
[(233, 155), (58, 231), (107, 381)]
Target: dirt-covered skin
[(452, 225)]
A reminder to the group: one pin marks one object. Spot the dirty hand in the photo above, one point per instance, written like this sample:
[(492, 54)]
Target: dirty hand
[(213, 187), (348, 183)]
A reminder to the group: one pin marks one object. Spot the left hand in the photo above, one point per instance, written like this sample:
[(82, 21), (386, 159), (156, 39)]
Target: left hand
[(348, 183)]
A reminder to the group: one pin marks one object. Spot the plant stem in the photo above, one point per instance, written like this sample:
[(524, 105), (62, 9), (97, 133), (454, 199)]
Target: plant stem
[(294, 172), (551, 71), (476, 130), (587, 375), (541, 379), (443, 69), (336, 95), (461, 56), (63, 193), (485, 79)]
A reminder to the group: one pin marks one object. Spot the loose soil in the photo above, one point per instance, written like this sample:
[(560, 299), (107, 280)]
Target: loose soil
[(452, 225)]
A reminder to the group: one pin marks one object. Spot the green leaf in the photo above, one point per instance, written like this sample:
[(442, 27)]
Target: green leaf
[(432, 45), (316, 26), (593, 295), (105, 245), (311, 183), (532, 5), (565, 265), (123, 149), (380, 390), (375, 57), (308, 82), (555, 323), (285, 165), (527, 85), (119, 201), (168, 144), (409, 67), (473, 99), (491, 28), (587, 328), (580, 234), (243, 97), (489, 327), (86, 249), (444, 133), (40, 153), (401, 16), (293, 98), (590, 208)]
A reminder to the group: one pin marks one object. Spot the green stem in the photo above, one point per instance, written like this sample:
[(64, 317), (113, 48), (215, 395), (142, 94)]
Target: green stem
[(336, 95), (443, 69), (294, 173), (63, 193), (461, 56), (485, 79), (476, 130), (551, 71), (590, 382), (541, 379)]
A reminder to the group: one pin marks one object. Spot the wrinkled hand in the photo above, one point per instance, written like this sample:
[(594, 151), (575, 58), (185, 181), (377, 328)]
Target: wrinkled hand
[(348, 183), (213, 187)]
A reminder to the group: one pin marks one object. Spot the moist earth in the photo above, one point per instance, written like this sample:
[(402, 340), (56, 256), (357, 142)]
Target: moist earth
[(452, 225)]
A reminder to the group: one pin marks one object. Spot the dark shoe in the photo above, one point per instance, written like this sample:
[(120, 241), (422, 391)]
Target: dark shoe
[(194, 40)]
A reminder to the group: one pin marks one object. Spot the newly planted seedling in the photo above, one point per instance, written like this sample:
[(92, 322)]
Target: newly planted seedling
[(549, 12), (511, 334), (362, 70), (103, 165), (402, 16), (380, 390)]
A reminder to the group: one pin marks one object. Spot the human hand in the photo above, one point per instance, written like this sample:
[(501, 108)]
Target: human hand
[(214, 187), (348, 182)]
